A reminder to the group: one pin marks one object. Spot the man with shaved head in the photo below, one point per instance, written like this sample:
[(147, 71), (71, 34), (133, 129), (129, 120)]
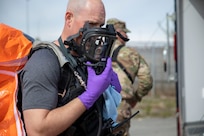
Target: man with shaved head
[(41, 76)]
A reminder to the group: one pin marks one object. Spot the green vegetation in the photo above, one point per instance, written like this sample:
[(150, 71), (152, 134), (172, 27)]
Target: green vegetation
[(156, 106)]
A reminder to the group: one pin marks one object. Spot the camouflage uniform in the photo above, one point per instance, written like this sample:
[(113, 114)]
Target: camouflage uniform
[(138, 69)]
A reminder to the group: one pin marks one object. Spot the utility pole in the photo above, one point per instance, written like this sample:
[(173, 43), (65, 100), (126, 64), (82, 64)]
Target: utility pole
[(168, 47)]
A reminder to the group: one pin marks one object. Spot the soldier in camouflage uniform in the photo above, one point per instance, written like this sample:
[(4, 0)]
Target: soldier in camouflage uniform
[(136, 68)]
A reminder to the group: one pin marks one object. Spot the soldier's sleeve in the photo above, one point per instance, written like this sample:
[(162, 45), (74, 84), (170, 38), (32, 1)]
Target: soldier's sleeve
[(145, 80)]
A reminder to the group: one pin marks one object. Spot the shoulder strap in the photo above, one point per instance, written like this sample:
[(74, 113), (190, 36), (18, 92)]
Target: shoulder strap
[(115, 53), (63, 61), (64, 58), (68, 56), (55, 48), (114, 59)]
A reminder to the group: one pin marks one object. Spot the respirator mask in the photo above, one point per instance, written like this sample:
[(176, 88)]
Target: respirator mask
[(95, 45)]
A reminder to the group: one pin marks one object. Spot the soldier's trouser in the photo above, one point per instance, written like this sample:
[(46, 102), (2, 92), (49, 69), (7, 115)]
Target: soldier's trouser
[(124, 112)]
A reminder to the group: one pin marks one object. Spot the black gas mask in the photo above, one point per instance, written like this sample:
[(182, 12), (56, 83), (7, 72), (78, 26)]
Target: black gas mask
[(95, 45)]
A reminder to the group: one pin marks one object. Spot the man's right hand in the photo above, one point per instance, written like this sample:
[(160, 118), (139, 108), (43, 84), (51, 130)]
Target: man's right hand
[(96, 84)]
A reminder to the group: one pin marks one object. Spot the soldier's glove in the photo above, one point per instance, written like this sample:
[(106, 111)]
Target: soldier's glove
[(96, 84), (115, 82)]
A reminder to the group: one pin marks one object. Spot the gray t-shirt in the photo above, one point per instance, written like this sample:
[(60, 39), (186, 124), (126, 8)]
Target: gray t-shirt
[(39, 81)]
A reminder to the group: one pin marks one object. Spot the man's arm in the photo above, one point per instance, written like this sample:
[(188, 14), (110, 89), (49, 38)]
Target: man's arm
[(52, 122), (145, 80)]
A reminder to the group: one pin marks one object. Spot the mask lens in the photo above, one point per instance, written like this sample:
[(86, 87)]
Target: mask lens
[(96, 48), (99, 43)]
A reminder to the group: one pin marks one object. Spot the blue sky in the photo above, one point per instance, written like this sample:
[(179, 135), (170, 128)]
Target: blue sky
[(45, 18)]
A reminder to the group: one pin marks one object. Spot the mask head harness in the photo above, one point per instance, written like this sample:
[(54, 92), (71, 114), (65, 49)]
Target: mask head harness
[(122, 37), (95, 45)]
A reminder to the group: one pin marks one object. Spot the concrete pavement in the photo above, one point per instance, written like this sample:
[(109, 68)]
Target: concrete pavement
[(153, 126)]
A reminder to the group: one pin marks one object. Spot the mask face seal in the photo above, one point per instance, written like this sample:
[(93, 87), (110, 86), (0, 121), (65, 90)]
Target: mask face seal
[(95, 45)]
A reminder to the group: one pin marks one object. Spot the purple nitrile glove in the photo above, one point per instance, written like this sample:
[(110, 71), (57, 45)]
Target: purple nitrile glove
[(96, 84), (115, 82)]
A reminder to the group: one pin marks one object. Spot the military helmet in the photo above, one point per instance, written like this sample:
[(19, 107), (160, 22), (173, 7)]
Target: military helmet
[(118, 24)]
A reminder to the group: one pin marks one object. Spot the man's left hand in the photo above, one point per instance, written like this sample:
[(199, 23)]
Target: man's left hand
[(115, 82)]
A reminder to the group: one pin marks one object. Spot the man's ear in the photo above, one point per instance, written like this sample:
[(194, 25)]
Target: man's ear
[(68, 18)]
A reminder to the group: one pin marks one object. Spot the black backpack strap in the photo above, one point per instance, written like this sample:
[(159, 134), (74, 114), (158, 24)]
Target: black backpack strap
[(115, 53), (68, 56), (65, 79), (114, 59), (76, 69)]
